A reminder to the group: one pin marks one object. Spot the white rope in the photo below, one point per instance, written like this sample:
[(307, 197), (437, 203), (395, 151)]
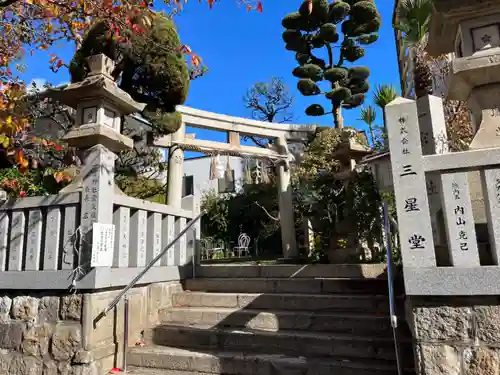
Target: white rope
[(79, 271)]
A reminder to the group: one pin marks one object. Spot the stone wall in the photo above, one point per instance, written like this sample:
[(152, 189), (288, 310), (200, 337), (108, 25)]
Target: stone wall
[(455, 335), (46, 333), (105, 340), (41, 334)]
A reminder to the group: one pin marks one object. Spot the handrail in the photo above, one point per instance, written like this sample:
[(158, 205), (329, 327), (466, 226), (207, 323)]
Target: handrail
[(390, 285), (134, 281)]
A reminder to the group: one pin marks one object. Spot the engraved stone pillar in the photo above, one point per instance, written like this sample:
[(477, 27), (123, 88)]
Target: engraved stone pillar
[(99, 105)]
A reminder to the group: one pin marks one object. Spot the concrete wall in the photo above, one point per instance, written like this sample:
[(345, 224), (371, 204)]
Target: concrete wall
[(200, 169)]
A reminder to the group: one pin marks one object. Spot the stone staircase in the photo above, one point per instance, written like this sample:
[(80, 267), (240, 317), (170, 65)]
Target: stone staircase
[(274, 325)]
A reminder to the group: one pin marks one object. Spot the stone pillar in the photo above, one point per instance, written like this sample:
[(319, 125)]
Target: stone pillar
[(287, 219), (98, 187), (175, 172), (193, 237), (434, 140)]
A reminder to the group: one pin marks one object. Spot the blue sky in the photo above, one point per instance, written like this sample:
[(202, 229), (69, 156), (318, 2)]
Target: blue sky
[(241, 48)]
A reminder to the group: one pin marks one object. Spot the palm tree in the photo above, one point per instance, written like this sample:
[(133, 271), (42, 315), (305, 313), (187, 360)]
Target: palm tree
[(414, 17), (384, 94), (368, 115)]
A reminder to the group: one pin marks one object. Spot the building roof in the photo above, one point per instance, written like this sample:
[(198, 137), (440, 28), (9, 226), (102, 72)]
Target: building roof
[(374, 157)]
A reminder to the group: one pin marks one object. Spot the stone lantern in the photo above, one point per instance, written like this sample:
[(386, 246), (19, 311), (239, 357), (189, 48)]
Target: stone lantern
[(349, 153), (471, 29), (100, 105)]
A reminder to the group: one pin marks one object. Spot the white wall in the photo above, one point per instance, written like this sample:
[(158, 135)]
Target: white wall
[(200, 169)]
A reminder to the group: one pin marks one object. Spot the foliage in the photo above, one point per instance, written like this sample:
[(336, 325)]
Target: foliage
[(28, 26), (369, 116), (320, 153), (252, 211), (330, 202), (34, 182), (384, 94), (157, 76), (215, 221), (414, 18), (319, 27)]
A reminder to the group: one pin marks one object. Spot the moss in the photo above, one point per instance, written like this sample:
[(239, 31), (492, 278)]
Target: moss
[(307, 87), (315, 110)]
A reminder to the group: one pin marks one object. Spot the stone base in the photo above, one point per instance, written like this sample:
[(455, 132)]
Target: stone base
[(455, 335), (53, 333), (105, 339), (343, 256)]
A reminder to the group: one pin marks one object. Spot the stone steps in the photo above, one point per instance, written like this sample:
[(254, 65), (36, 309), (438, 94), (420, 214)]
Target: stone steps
[(358, 324), (292, 343), (282, 285), (307, 271), (368, 304), (174, 361)]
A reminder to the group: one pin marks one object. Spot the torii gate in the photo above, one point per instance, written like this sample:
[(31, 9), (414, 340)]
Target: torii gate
[(235, 127)]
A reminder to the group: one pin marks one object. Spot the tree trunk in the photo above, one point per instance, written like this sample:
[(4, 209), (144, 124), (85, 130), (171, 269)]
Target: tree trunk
[(422, 74), (372, 133), (338, 120)]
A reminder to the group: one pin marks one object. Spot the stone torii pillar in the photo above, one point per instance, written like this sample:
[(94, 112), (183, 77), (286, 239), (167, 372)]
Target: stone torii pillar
[(287, 218)]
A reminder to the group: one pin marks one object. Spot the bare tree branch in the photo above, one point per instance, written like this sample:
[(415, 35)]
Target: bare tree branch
[(269, 101), (267, 213)]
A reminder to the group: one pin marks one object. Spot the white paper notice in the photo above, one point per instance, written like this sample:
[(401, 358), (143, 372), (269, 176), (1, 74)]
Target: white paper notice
[(103, 243)]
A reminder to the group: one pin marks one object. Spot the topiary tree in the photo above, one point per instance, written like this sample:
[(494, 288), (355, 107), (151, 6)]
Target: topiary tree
[(151, 65), (320, 28)]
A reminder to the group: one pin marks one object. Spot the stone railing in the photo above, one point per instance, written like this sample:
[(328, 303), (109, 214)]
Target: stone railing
[(39, 242), (144, 228), (37, 237), (423, 182)]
